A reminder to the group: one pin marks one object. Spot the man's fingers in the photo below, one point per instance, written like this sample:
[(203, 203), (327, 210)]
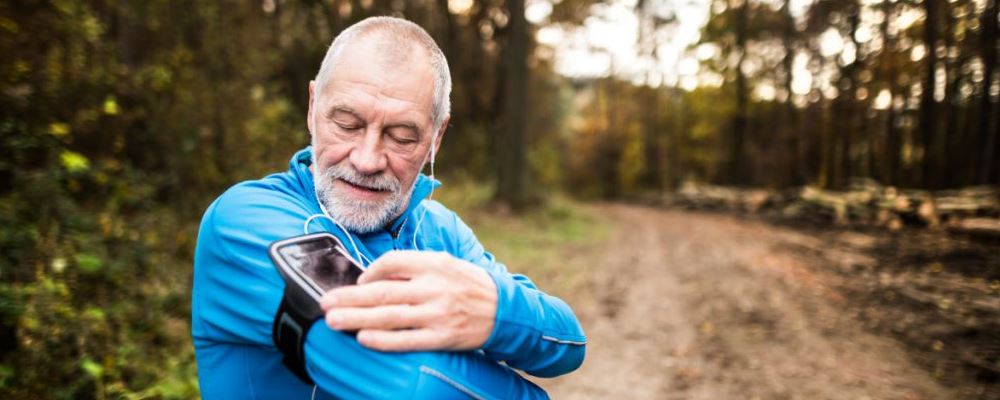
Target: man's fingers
[(380, 318), (395, 264), (373, 294), (402, 340)]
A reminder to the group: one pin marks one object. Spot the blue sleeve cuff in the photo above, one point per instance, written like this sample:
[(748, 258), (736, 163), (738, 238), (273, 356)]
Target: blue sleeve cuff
[(533, 331)]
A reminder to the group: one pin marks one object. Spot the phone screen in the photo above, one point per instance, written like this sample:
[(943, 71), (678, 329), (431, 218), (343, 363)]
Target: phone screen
[(322, 261)]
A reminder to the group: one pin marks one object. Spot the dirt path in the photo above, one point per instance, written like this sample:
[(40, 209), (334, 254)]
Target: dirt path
[(698, 306)]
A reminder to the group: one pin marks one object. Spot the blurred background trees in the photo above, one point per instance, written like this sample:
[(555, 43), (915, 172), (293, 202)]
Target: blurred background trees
[(121, 120)]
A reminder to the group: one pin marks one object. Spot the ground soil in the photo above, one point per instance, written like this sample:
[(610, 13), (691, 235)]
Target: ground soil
[(688, 305)]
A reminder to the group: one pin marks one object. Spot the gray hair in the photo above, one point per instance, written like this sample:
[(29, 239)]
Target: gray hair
[(401, 35)]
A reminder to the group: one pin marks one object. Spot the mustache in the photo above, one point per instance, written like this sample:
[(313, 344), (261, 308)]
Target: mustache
[(380, 182)]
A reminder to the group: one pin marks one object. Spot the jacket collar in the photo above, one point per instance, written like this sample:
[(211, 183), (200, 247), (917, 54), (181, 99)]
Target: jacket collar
[(302, 159)]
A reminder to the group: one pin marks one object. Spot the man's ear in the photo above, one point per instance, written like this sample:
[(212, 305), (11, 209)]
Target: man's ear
[(309, 115), (440, 133)]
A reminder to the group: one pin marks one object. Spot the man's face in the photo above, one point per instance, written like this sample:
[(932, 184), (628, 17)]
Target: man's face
[(371, 132)]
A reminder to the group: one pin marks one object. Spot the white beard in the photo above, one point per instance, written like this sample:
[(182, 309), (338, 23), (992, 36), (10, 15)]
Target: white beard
[(360, 216)]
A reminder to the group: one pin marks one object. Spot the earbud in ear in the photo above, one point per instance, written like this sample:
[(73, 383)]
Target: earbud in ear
[(432, 164), (433, 146)]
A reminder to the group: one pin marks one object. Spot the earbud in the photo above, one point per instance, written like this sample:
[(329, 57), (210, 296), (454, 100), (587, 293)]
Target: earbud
[(433, 153), (432, 161)]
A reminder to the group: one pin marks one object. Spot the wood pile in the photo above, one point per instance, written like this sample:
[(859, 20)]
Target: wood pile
[(972, 210)]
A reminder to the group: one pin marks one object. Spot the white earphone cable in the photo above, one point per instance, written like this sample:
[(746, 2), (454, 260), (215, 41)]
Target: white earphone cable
[(357, 251), (416, 228)]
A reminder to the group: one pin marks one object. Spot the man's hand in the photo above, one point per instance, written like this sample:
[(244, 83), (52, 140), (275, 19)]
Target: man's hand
[(413, 301)]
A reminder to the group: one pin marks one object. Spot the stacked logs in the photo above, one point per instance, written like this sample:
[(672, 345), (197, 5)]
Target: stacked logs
[(973, 210)]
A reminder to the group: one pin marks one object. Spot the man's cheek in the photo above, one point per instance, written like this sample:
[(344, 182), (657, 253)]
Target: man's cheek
[(408, 170)]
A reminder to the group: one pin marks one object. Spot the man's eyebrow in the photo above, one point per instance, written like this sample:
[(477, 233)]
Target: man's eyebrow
[(342, 109), (408, 125)]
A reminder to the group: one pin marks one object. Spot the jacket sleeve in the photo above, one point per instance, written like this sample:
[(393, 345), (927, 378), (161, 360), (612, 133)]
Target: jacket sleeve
[(533, 331), (237, 293)]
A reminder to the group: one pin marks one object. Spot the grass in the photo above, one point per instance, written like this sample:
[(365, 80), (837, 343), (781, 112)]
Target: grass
[(551, 243)]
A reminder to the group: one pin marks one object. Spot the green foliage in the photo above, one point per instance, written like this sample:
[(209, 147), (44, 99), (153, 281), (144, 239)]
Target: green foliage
[(111, 152), (88, 264), (120, 121)]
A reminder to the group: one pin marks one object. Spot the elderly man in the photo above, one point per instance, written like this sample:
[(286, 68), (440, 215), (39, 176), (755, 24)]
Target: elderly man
[(435, 315)]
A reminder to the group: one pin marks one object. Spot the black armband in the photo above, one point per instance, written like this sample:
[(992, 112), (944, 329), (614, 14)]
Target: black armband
[(295, 316), (310, 265)]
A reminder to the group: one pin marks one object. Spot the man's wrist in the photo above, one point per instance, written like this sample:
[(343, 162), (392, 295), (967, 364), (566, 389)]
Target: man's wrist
[(486, 299), (492, 341)]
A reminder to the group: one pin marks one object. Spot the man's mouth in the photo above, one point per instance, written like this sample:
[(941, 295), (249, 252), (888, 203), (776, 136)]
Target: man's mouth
[(363, 190)]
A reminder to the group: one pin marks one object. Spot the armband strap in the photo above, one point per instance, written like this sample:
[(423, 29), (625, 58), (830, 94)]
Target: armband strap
[(291, 324)]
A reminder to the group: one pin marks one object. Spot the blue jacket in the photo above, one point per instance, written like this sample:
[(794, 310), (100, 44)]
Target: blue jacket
[(237, 291)]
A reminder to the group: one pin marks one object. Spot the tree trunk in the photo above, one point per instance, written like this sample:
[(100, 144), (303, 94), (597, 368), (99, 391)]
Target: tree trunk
[(852, 110), (790, 120), (987, 110), (846, 107), (927, 103), (679, 127), (736, 170), (511, 179), (652, 142), (950, 137), (611, 140), (891, 143)]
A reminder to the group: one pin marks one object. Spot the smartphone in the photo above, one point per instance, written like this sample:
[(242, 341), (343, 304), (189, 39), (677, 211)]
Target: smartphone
[(316, 263)]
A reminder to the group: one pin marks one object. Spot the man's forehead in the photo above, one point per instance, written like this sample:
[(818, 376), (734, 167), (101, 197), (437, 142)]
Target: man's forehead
[(361, 97), (364, 77)]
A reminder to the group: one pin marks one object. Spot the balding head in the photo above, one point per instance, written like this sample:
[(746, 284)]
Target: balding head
[(396, 41)]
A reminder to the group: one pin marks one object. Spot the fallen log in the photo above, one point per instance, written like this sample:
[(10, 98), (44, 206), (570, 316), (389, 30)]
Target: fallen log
[(974, 210), (982, 227)]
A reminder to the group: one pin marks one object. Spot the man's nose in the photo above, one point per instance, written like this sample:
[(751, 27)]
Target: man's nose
[(368, 157)]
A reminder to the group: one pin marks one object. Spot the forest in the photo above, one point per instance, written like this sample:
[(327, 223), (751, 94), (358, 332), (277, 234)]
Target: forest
[(120, 121)]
